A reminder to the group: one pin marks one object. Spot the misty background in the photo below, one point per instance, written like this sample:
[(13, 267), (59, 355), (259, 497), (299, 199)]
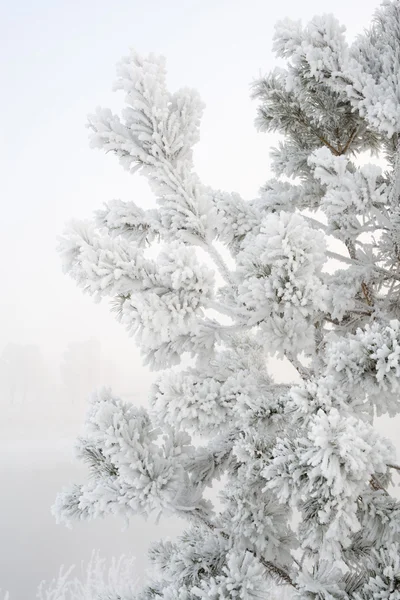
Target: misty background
[(56, 345)]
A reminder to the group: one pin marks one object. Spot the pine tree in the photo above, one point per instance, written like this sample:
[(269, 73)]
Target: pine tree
[(306, 500)]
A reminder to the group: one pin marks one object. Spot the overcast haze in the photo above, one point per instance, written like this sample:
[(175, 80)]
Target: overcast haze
[(58, 64)]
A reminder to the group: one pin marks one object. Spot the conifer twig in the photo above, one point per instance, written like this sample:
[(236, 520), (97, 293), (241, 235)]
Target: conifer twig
[(273, 569)]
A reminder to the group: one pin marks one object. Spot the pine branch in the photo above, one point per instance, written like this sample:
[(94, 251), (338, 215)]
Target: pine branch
[(301, 369), (274, 570), (317, 224), (222, 309), (336, 151), (357, 262), (340, 257), (318, 135), (220, 263), (325, 142), (239, 328)]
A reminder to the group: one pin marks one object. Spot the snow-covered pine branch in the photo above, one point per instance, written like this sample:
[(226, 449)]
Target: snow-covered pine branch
[(306, 500)]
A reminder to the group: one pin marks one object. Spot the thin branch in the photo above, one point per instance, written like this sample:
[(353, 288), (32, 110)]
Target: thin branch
[(340, 257), (220, 263), (334, 150), (191, 201), (301, 369), (317, 134), (395, 189), (366, 290), (376, 485), (221, 308), (350, 141), (397, 467), (360, 311), (276, 570), (389, 274), (351, 249), (237, 328), (297, 562), (367, 294), (317, 223), (303, 559), (355, 261)]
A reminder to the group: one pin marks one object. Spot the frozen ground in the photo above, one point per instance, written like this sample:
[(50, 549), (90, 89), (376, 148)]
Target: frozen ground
[(32, 546)]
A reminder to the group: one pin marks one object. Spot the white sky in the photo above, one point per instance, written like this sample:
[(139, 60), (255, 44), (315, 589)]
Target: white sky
[(57, 65)]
